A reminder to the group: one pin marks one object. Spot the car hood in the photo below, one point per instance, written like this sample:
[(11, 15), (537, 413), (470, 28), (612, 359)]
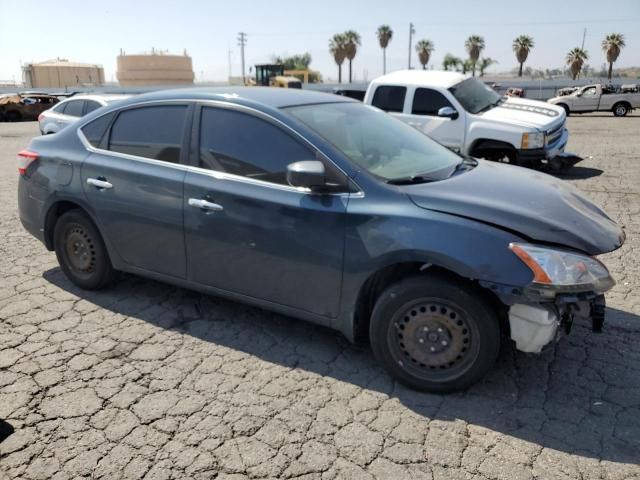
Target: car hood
[(532, 204), (526, 113)]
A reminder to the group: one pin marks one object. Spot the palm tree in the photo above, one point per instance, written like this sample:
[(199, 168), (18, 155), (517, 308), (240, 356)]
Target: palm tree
[(474, 46), (485, 63), (352, 39), (575, 59), (521, 47), (337, 47), (384, 37), (424, 49), (450, 61), (466, 65), (611, 46)]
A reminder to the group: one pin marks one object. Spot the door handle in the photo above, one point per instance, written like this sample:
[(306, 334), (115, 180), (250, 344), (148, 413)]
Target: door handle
[(205, 205), (103, 184)]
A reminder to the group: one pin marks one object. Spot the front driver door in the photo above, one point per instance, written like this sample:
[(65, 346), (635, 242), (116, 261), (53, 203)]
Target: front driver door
[(246, 230), (423, 115)]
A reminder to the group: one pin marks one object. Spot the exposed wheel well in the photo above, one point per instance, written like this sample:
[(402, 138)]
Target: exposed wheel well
[(383, 278), (54, 213), (492, 149), (622, 102), (567, 110)]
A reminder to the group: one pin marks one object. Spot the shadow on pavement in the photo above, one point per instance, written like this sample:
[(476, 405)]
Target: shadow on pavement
[(579, 173), (581, 396), (5, 430)]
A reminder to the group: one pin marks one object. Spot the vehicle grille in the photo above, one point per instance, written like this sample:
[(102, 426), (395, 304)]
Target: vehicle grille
[(554, 134)]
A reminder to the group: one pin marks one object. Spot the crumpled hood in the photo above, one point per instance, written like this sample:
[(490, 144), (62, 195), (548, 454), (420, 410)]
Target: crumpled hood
[(534, 204), (526, 113)]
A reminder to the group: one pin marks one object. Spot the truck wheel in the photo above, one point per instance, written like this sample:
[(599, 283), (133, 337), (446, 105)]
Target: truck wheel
[(433, 334), (620, 109), (81, 252)]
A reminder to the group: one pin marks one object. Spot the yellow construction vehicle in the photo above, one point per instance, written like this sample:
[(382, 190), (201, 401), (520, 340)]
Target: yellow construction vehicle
[(273, 75)]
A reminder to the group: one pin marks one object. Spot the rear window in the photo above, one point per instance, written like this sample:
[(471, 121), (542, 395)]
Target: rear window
[(94, 131), (389, 99), (74, 108), (428, 102), (150, 132)]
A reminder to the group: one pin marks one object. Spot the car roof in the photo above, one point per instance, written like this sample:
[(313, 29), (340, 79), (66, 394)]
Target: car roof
[(273, 97), (99, 97), (434, 78)]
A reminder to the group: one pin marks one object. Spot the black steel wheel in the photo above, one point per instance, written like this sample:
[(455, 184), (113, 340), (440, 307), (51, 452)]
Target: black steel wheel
[(81, 251), (433, 334)]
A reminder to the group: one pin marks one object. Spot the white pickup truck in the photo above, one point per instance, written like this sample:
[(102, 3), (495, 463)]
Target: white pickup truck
[(466, 115), (597, 98)]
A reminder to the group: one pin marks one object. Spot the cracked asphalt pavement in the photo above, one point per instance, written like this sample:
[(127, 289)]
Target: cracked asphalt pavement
[(145, 380)]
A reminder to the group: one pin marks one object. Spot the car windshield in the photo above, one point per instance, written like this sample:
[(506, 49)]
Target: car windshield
[(475, 96), (377, 142)]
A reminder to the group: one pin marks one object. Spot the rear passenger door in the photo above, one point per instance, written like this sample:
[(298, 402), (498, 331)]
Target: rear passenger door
[(249, 232), (422, 114), (133, 180)]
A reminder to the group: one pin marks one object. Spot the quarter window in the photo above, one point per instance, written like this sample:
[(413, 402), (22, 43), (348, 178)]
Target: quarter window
[(389, 99), (150, 132), (428, 102), (74, 108), (91, 106), (242, 144), (94, 131)]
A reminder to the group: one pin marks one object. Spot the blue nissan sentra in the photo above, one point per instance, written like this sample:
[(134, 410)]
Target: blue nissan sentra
[(322, 208)]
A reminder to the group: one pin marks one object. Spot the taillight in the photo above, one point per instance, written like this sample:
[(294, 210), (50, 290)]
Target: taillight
[(25, 157), (40, 117)]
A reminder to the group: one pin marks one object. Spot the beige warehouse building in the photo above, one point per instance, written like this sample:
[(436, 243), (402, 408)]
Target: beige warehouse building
[(61, 73), (155, 68)]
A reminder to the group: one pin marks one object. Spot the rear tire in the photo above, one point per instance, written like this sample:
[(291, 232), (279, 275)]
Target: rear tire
[(567, 110), (435, 334), (620, 109), (81, 252), (12, 116)]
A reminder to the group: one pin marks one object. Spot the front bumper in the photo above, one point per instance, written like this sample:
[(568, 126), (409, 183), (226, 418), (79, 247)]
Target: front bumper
[(550, 151), (535, 326)]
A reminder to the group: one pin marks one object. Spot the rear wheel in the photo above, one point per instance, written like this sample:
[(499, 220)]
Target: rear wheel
[(434, 334), (620, 109), (12, 116), (81, 251), (566, 108)]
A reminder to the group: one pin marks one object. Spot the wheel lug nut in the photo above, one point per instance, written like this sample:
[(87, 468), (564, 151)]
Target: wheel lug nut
[(421, 340), (444, 343), (426, 329), (433, 349), (439, 330)]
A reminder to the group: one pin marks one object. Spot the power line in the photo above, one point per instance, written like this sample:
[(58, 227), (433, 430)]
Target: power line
[(242, 42)]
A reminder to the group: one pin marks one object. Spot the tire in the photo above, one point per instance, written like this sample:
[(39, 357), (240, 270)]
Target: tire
[(567, 110), (12, 116), (620, 109), (434, 334), (81, 252)]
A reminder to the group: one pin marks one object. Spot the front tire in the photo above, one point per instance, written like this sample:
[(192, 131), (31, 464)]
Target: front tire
[(81, 252), (434, 334), (620, 109)]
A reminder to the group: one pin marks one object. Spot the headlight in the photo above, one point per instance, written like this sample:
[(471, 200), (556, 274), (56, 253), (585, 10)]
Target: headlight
[(532, 140), (562, 270)]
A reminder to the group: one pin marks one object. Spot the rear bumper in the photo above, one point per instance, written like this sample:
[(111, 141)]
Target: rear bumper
[(30, 211)]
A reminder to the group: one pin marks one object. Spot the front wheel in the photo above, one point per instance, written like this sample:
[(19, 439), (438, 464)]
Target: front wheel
[(620, 109), (434, 334), (81, 252)]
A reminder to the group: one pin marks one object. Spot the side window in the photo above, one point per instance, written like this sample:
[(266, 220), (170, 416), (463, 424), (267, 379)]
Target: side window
[(150, 132), (94, 131), (389, 99), (428, 102), (242, 144), (91, 106), (74, 108), (589, 92)]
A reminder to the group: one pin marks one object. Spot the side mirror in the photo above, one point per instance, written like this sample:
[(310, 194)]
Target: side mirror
[(307, 174), (448, 112)]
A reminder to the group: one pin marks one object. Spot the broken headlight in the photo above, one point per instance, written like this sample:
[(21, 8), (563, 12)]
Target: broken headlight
[(563, 271)]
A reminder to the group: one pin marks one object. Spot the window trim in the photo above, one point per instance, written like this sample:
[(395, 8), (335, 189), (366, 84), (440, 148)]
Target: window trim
[(413, 99), (191, 132)]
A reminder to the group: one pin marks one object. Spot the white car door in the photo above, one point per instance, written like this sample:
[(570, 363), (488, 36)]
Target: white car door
[(422, 112)]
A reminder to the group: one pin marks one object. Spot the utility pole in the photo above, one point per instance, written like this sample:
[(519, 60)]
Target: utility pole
[(584, 35), (242, 42), (411, 32)]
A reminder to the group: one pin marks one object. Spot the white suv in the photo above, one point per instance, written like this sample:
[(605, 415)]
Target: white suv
[(69, 110), (468, 116)]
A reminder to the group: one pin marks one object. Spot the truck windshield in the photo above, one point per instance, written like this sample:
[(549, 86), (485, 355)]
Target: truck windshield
[(379, 143), (475, 96)]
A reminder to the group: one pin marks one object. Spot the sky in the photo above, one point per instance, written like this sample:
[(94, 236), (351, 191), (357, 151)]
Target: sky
[(94, 31)]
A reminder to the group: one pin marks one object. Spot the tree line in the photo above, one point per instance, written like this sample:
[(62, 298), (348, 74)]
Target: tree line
[(344, 46)]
